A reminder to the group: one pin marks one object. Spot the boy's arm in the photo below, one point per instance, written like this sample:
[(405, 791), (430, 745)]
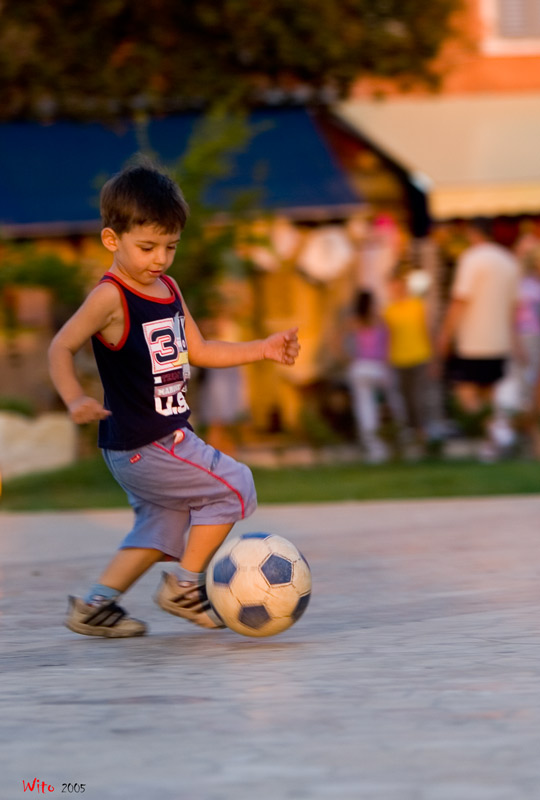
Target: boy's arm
[(452, 318), (96, 313), (460, 294), (282, 347)]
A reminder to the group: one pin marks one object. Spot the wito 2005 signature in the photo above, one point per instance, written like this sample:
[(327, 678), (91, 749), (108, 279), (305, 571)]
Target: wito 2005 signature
[(42, 787)]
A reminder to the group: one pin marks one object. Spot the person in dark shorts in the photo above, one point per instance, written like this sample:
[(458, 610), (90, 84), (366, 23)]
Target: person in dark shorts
[(479, 325), (482, 372), (144, 339)]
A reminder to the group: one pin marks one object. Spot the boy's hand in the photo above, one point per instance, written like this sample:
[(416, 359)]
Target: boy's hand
[(87, 409), (282, 347)]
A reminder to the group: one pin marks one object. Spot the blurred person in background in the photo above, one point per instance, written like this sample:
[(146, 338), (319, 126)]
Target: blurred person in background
[(528, 239), (370, 376), (410, 353), (478, 329), (223, 402), (528, 333), (528, 321)]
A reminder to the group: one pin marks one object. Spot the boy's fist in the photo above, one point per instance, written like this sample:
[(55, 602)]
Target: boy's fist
[(87, 409), (282, 347)]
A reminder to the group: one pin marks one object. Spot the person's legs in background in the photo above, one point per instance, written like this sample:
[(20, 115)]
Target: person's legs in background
[(476, 400), (365, 379)]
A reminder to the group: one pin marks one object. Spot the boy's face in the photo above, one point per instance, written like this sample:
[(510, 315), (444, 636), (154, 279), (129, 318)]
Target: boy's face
[(142, 254)]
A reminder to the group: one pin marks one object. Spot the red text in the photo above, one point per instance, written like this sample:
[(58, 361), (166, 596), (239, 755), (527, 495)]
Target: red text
[(38, 786)]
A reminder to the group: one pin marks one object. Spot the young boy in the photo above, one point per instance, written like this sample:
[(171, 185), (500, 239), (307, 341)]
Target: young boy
[(144, 339)]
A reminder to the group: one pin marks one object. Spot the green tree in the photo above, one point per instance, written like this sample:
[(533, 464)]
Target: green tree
[(23, 265), (111, 57), (209, 242)]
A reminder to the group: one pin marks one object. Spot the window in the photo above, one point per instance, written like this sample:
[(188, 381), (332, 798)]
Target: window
[(519, 18), (511, 27)]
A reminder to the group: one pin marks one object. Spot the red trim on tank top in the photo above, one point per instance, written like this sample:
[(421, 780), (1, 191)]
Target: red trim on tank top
[(127, 322), (110, 276), (172, 286)]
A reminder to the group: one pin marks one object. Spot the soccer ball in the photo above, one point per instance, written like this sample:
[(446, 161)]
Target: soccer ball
[(259, 584)]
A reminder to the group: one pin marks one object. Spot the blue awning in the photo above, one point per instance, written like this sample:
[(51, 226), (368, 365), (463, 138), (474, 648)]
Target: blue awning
[(50, 175)]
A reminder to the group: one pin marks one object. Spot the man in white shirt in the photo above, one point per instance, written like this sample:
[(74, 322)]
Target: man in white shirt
[(479, 321)]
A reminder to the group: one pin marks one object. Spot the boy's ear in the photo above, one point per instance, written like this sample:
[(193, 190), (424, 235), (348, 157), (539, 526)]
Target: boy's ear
[(109, 239)]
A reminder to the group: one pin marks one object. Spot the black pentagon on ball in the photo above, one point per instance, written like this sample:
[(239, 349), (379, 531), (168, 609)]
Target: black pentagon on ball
[(277, 570), (301, 606), (255, 535), (224, 571), (254, 616)]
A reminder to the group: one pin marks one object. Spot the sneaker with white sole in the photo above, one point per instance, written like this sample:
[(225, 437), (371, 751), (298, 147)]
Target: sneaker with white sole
[(106, 619), (188, 600)]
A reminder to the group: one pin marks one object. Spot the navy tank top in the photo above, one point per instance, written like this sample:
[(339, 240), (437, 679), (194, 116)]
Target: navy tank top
[(145, 375)]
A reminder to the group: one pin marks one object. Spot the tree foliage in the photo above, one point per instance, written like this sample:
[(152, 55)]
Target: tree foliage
[(208, 248), (108, 57), (23, 265)]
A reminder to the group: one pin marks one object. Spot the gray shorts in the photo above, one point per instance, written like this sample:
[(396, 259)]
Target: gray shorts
[(173, 485)]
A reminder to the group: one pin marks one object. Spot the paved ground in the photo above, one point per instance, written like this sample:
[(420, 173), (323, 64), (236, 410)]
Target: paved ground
[(414, 674)]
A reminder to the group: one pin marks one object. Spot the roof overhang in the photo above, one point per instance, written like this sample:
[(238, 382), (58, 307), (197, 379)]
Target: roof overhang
[(474, 155), (34, 230), (50, 175)]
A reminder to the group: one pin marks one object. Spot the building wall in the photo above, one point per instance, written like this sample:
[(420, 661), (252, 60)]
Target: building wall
[(493, 61), (497, 49)]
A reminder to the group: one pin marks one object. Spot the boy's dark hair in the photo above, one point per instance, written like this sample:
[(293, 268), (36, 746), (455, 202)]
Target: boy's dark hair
[(142, 195)]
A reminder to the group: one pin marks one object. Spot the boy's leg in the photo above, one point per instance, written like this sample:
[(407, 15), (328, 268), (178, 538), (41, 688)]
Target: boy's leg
[(470, 398), (184, 593), (218, 491), (202, 543), (98, 614), (180, 480), (127, 566)]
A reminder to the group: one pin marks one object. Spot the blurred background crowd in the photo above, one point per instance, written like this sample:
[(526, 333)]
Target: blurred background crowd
[(366, 171)]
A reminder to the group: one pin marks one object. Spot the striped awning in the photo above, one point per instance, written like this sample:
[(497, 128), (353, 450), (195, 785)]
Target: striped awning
[(473, 155)]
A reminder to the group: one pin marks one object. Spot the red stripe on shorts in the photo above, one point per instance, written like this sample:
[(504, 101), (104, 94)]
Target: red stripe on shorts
[(208, 472)]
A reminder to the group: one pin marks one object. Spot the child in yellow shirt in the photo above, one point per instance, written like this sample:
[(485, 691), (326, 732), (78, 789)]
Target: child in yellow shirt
[(410, 350)]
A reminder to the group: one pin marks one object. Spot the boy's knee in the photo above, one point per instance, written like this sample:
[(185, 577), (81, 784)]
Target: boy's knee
[(249, 493)]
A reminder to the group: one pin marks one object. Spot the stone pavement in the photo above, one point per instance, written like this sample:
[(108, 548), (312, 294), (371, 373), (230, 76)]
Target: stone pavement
[(413, 675)]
